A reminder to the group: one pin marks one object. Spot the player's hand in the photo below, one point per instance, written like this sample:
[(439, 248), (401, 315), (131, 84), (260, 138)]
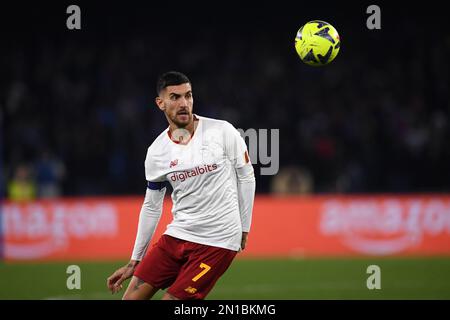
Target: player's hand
[(114, 282), (244, 240)]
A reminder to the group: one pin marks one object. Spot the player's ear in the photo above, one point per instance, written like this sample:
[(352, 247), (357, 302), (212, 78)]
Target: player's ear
[(160, 103)]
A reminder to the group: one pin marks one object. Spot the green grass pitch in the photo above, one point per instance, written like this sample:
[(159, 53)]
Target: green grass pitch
[(266, 279)]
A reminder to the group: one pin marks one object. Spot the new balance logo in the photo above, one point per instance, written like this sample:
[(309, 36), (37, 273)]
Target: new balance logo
[(173, 163), (190, 290)]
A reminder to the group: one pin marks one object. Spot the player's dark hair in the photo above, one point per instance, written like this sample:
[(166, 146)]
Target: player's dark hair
[(171, 78)]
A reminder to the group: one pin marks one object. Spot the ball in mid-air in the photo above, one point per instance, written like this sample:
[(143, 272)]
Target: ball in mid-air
[(317, 43)]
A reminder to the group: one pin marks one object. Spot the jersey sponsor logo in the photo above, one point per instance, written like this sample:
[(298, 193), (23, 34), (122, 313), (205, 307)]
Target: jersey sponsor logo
[(199, 170), (173, 163)]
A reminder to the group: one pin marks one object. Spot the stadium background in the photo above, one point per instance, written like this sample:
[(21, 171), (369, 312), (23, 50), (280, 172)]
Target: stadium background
[(364, 159)]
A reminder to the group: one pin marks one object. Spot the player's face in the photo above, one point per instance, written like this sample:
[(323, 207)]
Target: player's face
[(176, 102)]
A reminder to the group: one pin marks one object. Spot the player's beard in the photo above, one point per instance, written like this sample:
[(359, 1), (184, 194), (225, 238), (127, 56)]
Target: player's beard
[(182, 120)]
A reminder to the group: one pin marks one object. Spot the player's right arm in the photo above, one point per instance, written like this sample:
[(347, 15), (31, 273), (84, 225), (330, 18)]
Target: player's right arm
[(148, 220)]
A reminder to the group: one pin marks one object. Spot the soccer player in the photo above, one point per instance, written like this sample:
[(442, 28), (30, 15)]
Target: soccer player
[(206, 162)]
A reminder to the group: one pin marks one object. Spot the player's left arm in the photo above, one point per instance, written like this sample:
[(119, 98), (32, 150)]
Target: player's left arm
[(236, 150), (246, 186)]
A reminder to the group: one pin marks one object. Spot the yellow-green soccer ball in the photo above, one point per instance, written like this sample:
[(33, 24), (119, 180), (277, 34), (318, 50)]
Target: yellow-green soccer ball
[(317, 43)]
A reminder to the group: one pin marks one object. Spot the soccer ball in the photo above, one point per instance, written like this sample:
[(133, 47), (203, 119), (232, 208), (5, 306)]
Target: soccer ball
[(317, 43)]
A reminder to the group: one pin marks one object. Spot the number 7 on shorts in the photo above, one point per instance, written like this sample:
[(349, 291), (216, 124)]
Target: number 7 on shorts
[(203, 272)]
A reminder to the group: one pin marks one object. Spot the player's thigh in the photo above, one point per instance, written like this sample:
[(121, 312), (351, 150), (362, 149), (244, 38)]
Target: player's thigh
[(138, 289), (160, 266), (201, 272)]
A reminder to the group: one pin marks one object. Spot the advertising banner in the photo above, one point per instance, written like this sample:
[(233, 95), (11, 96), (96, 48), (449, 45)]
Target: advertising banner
[(312, 226)]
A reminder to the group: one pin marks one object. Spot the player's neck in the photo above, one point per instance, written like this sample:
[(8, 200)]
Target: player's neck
[(188, 133)]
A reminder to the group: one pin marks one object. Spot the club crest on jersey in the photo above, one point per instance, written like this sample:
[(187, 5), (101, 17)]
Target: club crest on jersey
[(173, 163), (211, 152)]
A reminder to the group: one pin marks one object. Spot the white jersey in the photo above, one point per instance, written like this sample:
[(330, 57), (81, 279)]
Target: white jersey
[(202, 174)]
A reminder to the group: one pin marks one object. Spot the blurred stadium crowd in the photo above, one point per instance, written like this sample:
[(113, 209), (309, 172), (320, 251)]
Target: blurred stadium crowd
[(78, 112)]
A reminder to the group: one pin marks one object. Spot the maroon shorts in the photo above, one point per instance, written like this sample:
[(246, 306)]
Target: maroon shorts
[(189, 269)]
